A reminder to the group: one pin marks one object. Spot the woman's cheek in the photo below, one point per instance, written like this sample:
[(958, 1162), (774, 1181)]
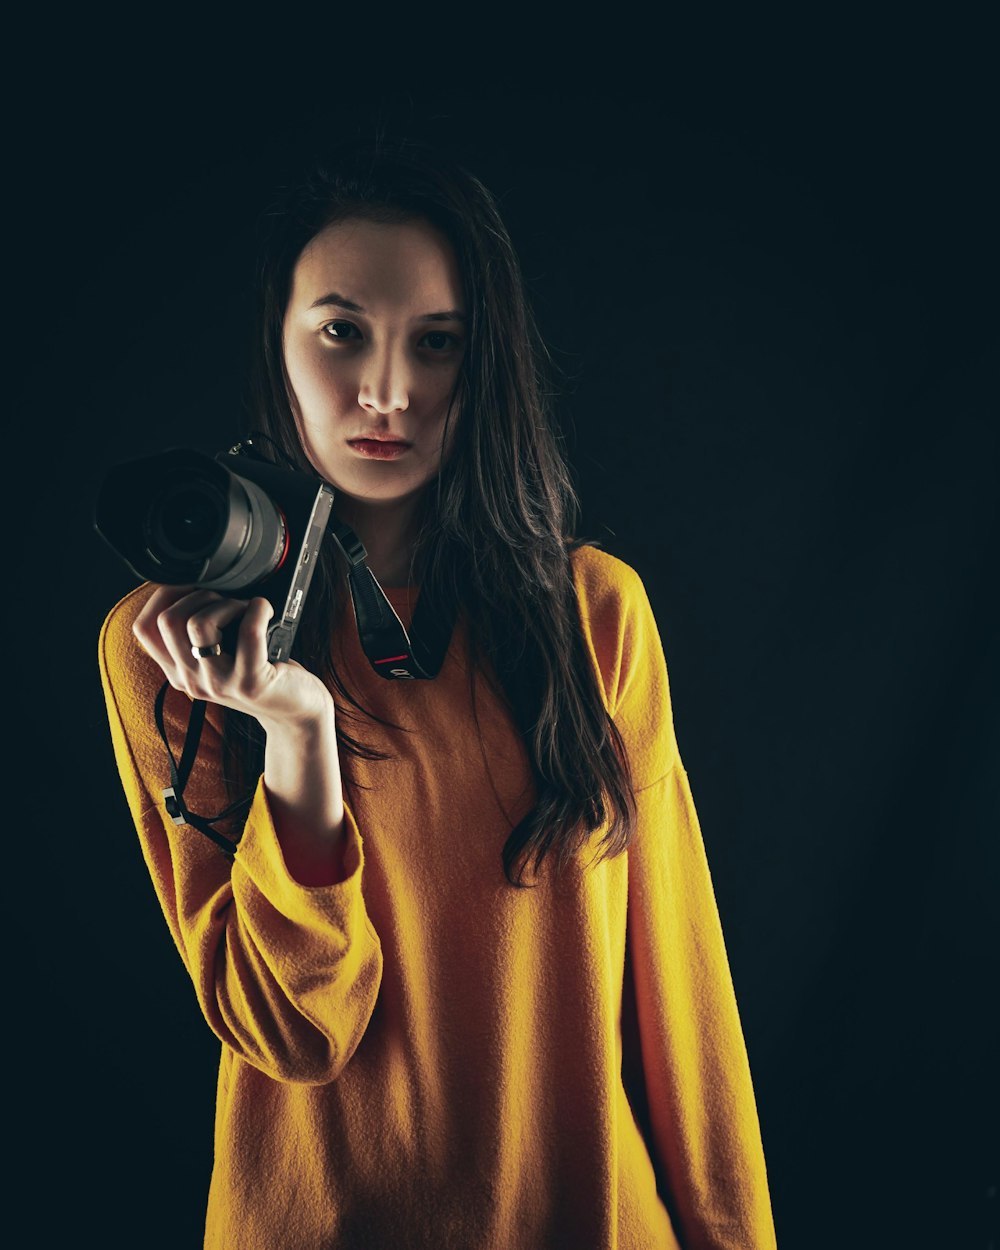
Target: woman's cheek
[(320, 377), (321, 383)]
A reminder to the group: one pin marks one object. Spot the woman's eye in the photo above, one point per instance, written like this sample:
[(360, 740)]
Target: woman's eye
[(441, 341), (340, 330)]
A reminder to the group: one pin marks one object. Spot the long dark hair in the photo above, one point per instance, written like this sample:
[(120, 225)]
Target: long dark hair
[(494, 531)]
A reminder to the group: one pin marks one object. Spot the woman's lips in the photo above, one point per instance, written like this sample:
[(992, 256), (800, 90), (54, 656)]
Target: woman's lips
[(376, 450)]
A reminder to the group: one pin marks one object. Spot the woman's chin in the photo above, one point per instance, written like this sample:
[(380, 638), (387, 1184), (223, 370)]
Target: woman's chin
[(355, 496)]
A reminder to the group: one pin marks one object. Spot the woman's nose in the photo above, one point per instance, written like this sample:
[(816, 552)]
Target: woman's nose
[(385, 382)]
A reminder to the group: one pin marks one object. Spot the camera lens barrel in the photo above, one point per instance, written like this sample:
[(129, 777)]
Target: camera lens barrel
[(182, 518), (254, 541)]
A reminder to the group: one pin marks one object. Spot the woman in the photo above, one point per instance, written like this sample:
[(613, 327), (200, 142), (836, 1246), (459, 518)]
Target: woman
[(421, 1047)]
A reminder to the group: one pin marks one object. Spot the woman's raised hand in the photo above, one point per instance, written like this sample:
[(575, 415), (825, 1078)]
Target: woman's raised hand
[(177, 619)]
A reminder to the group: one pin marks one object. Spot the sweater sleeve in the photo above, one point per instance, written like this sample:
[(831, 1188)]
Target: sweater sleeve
[(286, 975), (701, 1113)]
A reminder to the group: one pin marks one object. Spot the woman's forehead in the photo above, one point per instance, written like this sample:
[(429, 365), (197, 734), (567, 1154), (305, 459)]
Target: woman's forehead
[(374, 263)]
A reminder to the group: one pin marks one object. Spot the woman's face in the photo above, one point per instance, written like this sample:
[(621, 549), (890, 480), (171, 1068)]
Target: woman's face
[(374, 335)]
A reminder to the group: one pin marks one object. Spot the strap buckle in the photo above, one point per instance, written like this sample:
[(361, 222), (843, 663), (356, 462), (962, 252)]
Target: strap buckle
[(174, 807)]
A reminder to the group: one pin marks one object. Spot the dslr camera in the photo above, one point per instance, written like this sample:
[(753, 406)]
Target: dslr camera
[(235, 523)]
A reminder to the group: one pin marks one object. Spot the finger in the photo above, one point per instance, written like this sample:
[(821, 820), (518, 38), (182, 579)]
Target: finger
[(149, 633), (172, 624), (165, 596), (251, 649), (168, 602), (144, 627), (205, 626)]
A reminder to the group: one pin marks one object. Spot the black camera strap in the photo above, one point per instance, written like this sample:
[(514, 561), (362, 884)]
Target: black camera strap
[(391, 651), (173, 795)]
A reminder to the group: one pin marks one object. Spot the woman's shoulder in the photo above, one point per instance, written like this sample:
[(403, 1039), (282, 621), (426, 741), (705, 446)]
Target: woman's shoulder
[(119, 621), (614, 605), (604, 582), (620, 628), (118, 650)]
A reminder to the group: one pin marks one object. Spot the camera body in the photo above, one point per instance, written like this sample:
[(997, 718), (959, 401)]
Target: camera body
[(235, 523)]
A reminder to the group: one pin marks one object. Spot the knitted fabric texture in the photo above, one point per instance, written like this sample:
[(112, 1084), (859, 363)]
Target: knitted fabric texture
[(421, 1055)]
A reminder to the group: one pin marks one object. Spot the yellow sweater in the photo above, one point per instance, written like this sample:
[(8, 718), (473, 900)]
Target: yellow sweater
[(421, 1055)]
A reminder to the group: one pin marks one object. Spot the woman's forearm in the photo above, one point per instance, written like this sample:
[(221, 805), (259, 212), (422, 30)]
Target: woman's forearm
[(303, 783)]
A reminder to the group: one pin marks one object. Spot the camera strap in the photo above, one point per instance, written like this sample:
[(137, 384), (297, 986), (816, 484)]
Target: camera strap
[(173, 795), (391, 652)]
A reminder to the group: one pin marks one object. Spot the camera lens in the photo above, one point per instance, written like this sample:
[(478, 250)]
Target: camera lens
[(180, 518), (187, 520)]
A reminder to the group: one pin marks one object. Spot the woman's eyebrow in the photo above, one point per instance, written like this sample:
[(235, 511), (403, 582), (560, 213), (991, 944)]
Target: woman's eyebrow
[(450, 314), (335, 300), (338, 301)]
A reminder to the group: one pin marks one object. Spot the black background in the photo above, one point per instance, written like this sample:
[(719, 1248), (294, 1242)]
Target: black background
[(764, 260)]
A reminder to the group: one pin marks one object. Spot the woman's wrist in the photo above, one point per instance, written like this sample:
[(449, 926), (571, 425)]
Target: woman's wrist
[(304, 727), (303, 782)]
